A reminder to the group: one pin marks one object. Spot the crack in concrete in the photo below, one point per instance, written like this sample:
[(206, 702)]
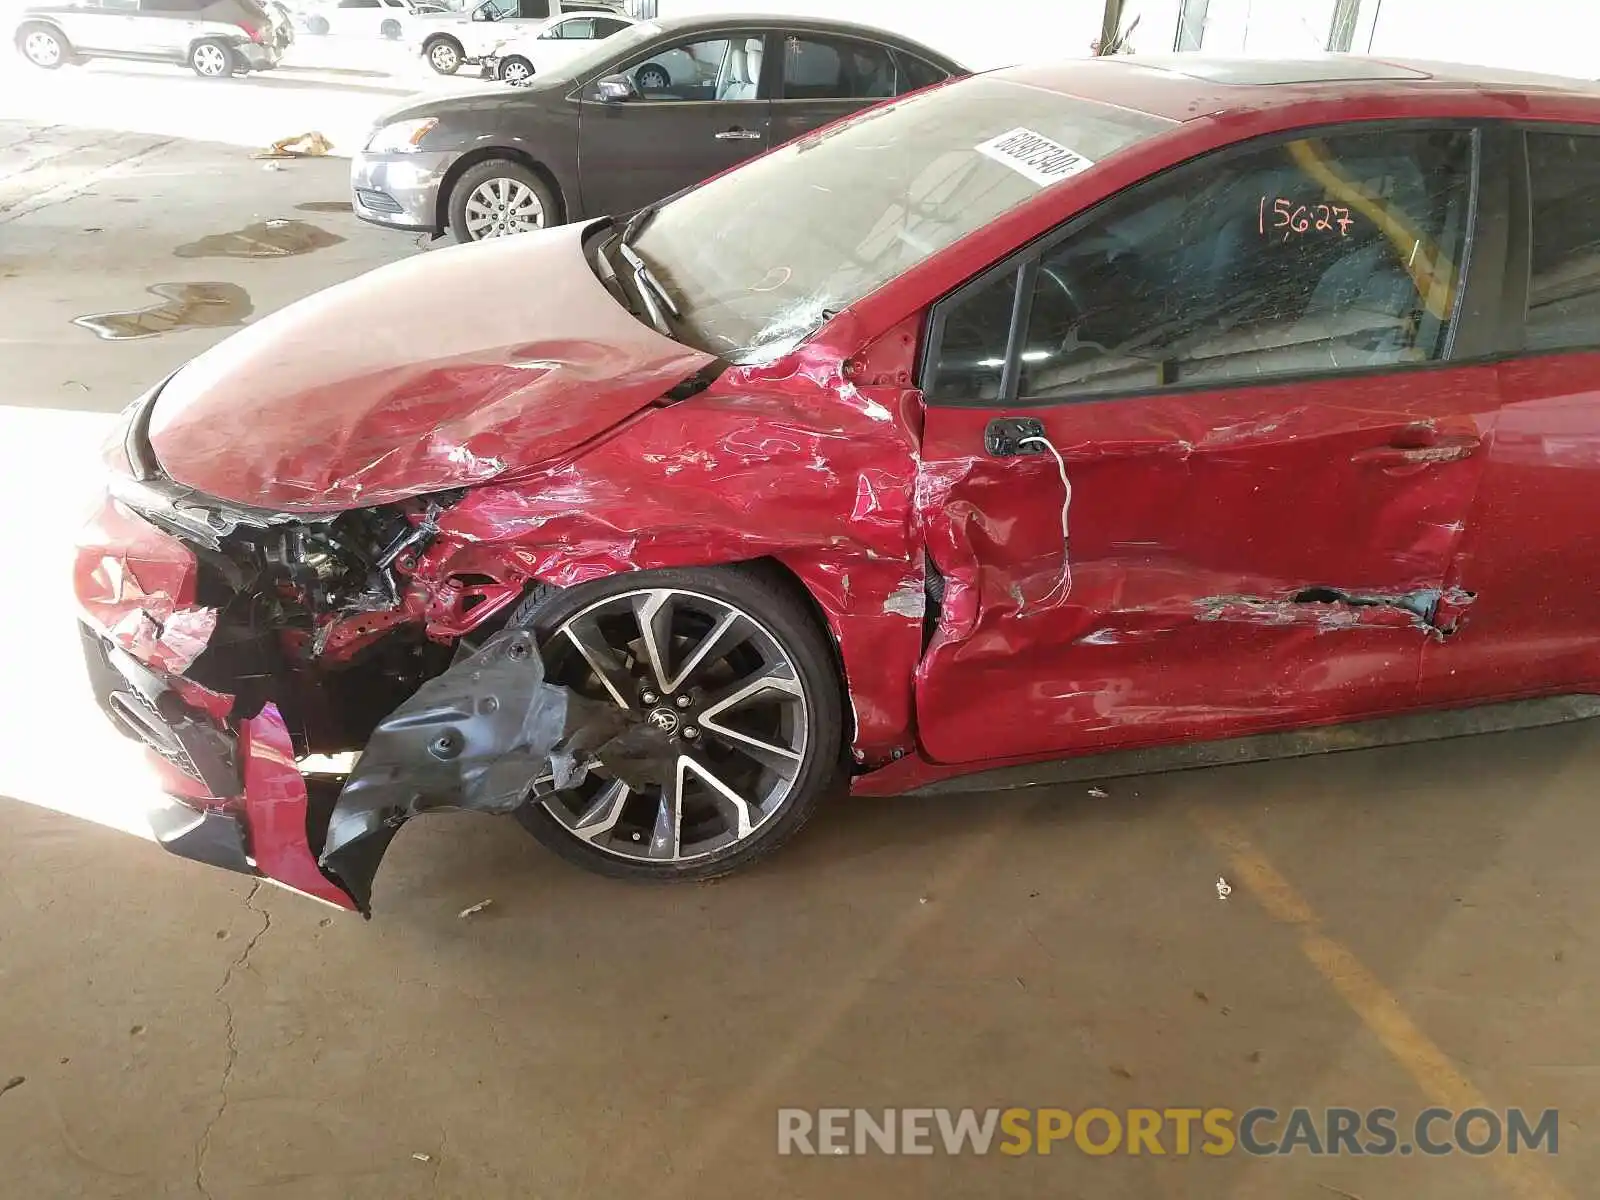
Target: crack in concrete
[(17, 210), (438, 1161), (202, 1147)]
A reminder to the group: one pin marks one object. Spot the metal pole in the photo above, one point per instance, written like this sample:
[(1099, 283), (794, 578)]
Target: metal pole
[(1110, 25)]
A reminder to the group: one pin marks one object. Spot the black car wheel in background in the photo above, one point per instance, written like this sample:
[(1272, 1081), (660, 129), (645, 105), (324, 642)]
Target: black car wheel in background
[(498, 198), (645, 113)]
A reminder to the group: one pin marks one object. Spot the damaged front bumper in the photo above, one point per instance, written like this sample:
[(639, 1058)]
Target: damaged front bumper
[(481, 736)]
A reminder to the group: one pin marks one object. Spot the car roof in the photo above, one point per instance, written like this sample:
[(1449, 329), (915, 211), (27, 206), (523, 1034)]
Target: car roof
[(1181, 87), (803, 24)]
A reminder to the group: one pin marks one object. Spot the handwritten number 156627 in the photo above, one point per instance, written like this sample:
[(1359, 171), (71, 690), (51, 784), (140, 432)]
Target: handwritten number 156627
[(1296, 219)]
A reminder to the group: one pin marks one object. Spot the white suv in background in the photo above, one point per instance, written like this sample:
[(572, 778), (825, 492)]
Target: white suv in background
[(449, 39), (520, 58)]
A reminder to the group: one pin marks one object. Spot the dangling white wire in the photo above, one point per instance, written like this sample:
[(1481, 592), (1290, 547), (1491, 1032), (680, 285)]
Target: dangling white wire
[(1064, 584)]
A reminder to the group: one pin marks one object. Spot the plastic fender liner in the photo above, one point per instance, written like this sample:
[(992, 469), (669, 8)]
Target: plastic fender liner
[(476, 737)]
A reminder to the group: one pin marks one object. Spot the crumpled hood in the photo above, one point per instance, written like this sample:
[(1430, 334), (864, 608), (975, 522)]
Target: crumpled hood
[(441, 371)]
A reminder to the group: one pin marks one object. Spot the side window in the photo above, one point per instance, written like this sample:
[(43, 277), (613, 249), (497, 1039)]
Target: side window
[(709, 69), (915, 74), (1564, 274), (972, 345), (819, 68), (1317, 254), (358, 3), (577, 29), (532, 10), (604, 27)]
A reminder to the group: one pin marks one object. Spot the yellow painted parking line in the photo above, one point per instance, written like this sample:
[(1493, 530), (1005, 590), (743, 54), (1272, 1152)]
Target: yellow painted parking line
[(1380, 1011)]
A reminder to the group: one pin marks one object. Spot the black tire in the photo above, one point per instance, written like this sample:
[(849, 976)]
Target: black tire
[(652, 78), (317, 25), (766, 597), (444, 55), (390, 30), (496, 168), (204, 59), (44, 33), (515, 66)]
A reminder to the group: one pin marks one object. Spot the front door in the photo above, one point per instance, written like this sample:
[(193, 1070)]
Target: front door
[(700, 107), (1265, 454)]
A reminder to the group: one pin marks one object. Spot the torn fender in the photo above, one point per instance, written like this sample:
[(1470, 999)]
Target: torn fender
[(137, 585), (475, 737)]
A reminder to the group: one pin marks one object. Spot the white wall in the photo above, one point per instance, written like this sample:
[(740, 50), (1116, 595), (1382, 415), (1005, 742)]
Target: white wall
[(993, 33), (1557, 36), (1560, 37)]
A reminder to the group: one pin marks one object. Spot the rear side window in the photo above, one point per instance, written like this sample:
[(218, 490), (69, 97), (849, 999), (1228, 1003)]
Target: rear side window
[(1317, 254), (1564, 274), (819, 68), (914, 73)]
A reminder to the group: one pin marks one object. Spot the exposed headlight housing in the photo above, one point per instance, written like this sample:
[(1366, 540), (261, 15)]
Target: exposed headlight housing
[(401, 137)]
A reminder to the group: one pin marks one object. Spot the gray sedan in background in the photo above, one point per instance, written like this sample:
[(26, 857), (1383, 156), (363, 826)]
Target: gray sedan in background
[(643, 114)]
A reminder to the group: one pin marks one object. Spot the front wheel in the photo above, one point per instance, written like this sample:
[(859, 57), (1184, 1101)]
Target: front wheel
[(444, 56), (211, 60), (736, 719), (498, 198), (42, 46), (516, 69)]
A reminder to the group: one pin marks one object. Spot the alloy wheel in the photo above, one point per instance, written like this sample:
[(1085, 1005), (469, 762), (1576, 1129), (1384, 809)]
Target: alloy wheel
[(210, 61), (652, 79), (515, 72), (500, 207), (444, 58), (42, 49), (721, 724)]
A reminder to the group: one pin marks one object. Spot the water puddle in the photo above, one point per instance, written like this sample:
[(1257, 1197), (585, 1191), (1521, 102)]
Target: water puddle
[(183, 306), (327, 206), (277, 238)]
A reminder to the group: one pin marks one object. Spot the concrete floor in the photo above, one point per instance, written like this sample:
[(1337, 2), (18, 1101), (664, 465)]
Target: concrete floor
[(1407, 926)]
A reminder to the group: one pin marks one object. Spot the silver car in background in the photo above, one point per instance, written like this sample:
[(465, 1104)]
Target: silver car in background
[(216, 38)]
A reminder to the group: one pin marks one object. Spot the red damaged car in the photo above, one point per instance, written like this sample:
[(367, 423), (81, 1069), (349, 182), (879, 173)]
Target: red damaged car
[(1100, 406)]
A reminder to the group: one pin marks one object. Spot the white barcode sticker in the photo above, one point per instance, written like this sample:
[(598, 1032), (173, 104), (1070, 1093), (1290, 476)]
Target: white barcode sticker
[(1034, 155)]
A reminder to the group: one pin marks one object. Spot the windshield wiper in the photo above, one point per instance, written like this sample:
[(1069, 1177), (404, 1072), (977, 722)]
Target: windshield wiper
[(651, 290), (636, 223)]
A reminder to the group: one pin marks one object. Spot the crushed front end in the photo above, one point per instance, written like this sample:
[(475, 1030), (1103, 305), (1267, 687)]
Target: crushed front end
[(235, 643)]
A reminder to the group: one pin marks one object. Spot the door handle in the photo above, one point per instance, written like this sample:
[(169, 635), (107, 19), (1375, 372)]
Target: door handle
[(738, 135), (1437, 450), (1004, 437)]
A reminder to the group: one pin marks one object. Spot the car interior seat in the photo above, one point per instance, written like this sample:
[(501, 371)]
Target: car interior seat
[(744, 70)]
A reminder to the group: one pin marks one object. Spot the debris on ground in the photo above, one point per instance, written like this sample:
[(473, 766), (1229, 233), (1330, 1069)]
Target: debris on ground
[(1099, 793), (473, 909), (301, 145), (272, 166), (15, 1081), (422, 1158), (1224, 888)]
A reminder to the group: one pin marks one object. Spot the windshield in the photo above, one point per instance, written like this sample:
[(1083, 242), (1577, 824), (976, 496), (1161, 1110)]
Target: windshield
[(759, 258)]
